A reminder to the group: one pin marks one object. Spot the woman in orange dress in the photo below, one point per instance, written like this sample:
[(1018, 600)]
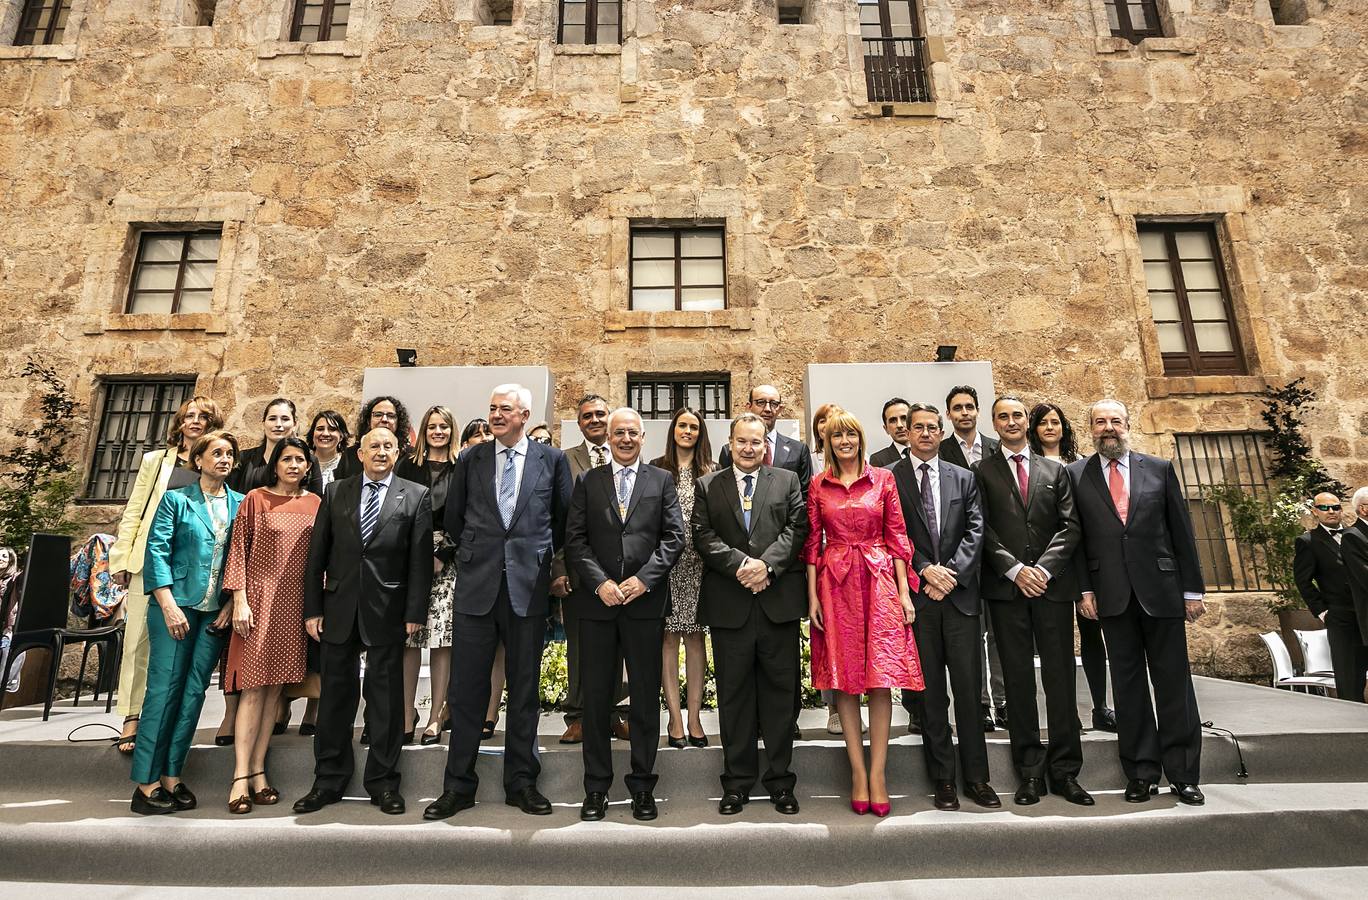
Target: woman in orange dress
[(859, 601), (265, 572)]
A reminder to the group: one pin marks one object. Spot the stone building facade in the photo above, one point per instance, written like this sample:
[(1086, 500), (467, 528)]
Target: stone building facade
[(433, 180)]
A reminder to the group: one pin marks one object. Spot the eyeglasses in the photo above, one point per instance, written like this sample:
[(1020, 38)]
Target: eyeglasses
[(1329, 507), (385, 415), (767, 404)]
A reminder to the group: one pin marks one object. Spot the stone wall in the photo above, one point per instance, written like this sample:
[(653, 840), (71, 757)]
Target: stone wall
[(467, 189)]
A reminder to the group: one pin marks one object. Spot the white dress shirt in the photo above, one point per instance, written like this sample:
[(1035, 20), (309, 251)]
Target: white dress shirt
[(501, 460), (1011, 467), (384, 487), (617, 477), (972, 452), (594, 453)]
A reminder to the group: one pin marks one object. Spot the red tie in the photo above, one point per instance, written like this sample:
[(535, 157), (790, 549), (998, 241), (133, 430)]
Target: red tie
[(769, 453), (1021, 475), (1118, 490)]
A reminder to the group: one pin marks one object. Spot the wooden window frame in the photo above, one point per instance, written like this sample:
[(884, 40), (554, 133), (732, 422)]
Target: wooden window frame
[(176, 387), (591, 22), (678, 232), (1125, 28), (678, 383), (1194, 361), (51, 34), (886, 17), (325, 22), (138, 262)]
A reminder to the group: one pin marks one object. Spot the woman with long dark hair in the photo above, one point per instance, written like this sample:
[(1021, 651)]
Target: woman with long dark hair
[(387, 412)]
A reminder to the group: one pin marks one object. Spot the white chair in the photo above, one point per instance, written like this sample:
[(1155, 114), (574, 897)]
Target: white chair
[(1284, 676), (1315, 648)]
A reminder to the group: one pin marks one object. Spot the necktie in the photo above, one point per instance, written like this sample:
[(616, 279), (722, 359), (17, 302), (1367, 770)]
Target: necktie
[(508, 487), (929, 507), (600, 456), (370, 514), (1118, 490), (624, 492), (769, 453), (746, 500), (1020, 461)]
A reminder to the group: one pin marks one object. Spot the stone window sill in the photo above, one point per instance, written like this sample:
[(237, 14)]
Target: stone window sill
[(40, 51), (1183, 45), (934, 109), (734, 319), (208, 323), (588, 50), (1197, 385), (272, 49)]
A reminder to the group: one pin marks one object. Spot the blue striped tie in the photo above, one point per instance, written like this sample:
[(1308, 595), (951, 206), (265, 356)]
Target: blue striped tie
[(508, 487), (745, 505), (371, 513)]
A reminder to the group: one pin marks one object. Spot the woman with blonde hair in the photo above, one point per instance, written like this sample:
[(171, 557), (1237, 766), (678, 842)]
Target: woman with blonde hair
[(195, 417)]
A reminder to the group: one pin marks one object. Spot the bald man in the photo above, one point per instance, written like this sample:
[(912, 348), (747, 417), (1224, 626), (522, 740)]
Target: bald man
[(1318, 566)]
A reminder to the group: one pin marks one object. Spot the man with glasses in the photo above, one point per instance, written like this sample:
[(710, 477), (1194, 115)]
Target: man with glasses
[(1318, 565), (624, 533), (780, 450)]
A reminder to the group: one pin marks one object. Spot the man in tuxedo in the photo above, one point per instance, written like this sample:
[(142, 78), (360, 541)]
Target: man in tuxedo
[(781, 450), (591, 414), (1354, 547), (895, 413), (1140, 575), (1031, 534), (940, 504), (749, 524), (505, 511), (1318, 566), (965, 447), (366, 589), (624, 533)]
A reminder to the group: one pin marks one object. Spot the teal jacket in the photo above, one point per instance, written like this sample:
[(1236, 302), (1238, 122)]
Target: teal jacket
[(180, 545)]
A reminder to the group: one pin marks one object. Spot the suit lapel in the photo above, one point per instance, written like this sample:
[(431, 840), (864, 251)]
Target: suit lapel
[(1093, 472), (607, 486), (733, 497), (200, 505), (916, 493), (484, 471), (1006, 472), (1034, 476), (947, 490), (638, 488), (762, 484), (348, 500), (532, 471), (394, 495)]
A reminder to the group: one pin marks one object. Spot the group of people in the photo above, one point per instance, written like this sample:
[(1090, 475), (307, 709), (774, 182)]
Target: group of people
[(327, 553), (1330, 566)]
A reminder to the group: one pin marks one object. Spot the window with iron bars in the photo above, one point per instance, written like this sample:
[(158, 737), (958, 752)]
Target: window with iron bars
[(661, 396), (134, 418), (1205, 461)]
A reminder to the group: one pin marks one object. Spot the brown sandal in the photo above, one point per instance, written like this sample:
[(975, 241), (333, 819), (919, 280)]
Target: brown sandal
[(267, 796), (240, 805)]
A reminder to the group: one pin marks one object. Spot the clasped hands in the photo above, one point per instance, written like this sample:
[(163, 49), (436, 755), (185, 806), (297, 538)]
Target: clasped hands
[(1032, 581), (939, 581), (753, 574), (614, 594)]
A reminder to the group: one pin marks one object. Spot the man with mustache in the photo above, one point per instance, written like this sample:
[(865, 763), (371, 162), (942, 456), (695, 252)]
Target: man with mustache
[(1140, 575)]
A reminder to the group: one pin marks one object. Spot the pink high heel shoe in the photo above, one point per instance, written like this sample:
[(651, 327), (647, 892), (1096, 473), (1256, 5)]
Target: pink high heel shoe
[(859, 807), (881, 809)]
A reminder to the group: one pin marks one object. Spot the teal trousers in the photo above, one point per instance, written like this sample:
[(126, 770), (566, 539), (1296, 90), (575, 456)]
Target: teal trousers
[(178, 673)]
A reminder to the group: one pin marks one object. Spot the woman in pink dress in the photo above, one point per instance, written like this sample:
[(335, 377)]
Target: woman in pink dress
[(859, 601)]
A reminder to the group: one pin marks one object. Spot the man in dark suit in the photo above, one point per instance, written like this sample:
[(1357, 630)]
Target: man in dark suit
[(1140, 575), (940, 504), (1318, 566), (624, 533), (749, 524), (366, 588), (505, 510), (1354, 547), (781, 450), (1029, 541), (895, 412)]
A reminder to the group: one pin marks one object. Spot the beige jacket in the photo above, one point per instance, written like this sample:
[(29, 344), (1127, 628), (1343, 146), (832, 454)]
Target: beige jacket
[(131, 543)]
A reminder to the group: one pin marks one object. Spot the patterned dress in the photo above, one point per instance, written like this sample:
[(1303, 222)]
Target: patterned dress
[(864, 642), (687, 575), (267, 558)]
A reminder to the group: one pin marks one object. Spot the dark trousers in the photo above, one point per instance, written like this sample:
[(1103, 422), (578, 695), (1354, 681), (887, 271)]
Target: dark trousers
[(1172, 745), (604, 641), (1092, 651), (474, 640), (756, 667), (573, 707), (948, 639), (1348, 654), (340, 692), (1024, 624)]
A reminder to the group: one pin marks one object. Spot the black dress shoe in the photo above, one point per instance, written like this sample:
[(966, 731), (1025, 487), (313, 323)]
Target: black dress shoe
[(307, 729), (982, 793), (988, 724), (316, 799), (946, 798), (914, 727), (797, 732), (1000, 716), (1029, 792), (429, 738), (676, 742), (157, 803), (447, 805), (785, 803), (530, 801), (183, 798), (1188, 793), (698, 741), (732, 803), (595, 807), (644, 806), (281, 727), (1104, 720), (1071, 790), (391, 803), (223, 740), (1138, 790)]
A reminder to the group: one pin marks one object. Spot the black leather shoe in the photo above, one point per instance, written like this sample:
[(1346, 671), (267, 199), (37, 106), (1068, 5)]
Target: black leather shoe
[(223, 740), (988, 723), (946, 798), (914, 727), (785, 803), (1138, 790), (732, 803), (595, 807), (644, 806), (183, 798), (982, 794), (1029, 792), (676, 742), (1104, 720), (447, 805), (698, 741), (307, 729), (391, 803), (797, 732), (157, 803), (1000, 716), (1071, 790), (1188, 793), (530, 801), (315, 800)]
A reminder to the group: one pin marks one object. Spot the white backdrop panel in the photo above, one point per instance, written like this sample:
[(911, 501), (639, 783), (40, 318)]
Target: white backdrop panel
[(658, 429), (862, 388), (464, 389)]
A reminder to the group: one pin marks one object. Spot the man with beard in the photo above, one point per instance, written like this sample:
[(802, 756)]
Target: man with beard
[(1139, 574)]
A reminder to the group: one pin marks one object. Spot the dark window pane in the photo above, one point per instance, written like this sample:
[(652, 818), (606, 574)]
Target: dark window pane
[(1204, 461), (679, 268), (174, 272), (134, 419)]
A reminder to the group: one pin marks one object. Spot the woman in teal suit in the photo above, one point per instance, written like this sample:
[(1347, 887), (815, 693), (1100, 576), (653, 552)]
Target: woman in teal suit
[(183, 571)]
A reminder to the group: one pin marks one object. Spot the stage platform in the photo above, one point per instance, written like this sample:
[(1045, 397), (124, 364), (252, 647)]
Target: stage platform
[(1299, 817)]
